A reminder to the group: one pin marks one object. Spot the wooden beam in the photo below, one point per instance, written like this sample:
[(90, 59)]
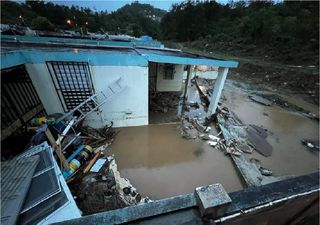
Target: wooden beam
[(57, 149)]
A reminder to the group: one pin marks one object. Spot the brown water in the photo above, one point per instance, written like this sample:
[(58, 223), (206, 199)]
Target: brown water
[(160, 163), (286, 130)]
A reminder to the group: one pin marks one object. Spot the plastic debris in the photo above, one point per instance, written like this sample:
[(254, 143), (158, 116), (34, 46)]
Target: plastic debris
[(97, 166)]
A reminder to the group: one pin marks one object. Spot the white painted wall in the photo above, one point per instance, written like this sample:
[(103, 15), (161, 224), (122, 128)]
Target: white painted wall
[(170, 85), (128, 108), (39, 74)]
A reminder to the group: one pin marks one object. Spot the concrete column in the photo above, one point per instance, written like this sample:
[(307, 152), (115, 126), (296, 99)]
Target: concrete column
[(187, 82), (217, 89), (191, 75)]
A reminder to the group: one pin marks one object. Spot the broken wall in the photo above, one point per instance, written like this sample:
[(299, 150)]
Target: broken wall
[(174, 84)]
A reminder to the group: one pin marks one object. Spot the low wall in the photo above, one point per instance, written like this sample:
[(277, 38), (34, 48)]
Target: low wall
[(283, 202)]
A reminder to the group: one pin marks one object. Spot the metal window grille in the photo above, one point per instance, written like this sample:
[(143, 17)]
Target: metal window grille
[(73, 83), (19, 100), (168, 72)]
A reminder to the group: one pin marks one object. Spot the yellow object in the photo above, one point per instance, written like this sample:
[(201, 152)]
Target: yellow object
[(38, 121)]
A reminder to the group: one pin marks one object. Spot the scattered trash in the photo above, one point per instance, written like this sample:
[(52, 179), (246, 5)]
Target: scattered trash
[(97, 166), (260, 100), (212, 143), (313, 145), (265, 171), (91, 162)]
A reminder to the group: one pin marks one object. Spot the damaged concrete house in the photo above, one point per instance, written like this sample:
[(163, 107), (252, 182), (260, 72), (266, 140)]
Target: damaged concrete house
[(63, 101)]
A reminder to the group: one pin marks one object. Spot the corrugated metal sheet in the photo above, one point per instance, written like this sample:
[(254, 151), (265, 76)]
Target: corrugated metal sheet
[(15, 181)]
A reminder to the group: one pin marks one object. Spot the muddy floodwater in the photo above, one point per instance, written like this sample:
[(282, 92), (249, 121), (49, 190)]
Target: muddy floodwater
[(160, 163), (285, 128)]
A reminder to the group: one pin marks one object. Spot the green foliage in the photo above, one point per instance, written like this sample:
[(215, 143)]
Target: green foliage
[(283, 27), (41, 23), (133, 19)]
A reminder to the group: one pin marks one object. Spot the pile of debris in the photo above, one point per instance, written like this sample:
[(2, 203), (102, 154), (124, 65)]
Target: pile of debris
[(103, 189), (164, 102), (226, 132), (80, 150)]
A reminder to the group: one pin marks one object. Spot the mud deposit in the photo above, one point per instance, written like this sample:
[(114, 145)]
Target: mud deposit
[(160, 163)]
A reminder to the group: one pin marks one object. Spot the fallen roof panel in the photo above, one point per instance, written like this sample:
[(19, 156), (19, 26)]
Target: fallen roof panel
[(16, 179)]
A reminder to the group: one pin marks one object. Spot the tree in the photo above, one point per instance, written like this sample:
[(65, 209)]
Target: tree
[(42, 23)]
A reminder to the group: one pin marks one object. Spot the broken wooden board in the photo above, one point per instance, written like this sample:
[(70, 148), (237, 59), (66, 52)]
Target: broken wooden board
[(57, 149)]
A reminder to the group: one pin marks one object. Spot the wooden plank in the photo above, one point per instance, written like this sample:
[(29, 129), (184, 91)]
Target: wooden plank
[(92, 161), (57, 149), (18, 123)]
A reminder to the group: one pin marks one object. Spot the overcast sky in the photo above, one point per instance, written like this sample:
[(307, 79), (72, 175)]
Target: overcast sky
[(112, 5)]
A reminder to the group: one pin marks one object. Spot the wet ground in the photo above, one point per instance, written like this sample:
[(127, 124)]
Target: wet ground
[(286, 129), (160, 163)]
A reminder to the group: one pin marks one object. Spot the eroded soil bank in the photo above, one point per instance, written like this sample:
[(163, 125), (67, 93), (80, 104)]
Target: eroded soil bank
[(160, 163)]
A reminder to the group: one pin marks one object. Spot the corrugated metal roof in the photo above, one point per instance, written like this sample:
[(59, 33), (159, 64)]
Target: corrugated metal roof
[(15, 181)]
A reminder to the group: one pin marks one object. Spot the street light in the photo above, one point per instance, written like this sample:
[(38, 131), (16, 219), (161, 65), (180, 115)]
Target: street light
[(86, 23), (68, 21), (22, 20)]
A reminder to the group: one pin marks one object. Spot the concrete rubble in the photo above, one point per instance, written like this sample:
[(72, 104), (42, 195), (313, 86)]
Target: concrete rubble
[(226, 132)]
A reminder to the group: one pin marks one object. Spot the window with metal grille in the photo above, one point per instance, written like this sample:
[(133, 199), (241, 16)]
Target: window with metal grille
[(168, 72), (73, 83)]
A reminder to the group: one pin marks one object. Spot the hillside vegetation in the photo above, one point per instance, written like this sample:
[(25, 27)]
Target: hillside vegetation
[(284, 30), (133, 19)]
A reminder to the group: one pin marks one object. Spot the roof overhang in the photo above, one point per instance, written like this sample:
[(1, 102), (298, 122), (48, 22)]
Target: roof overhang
[(191, 61)]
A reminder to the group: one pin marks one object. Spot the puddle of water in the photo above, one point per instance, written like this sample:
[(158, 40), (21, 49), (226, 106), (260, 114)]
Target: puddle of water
[(287, 129), (160, 163)]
